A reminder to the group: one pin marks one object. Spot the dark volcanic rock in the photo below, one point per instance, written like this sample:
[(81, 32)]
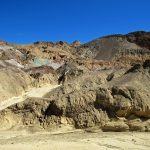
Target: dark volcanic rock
[(146, 64), (141, 38), (135, 68), (110, 77)]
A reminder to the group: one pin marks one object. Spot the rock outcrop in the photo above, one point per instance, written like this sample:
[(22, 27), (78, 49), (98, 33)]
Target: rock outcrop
[(107, 83), (121, 104)]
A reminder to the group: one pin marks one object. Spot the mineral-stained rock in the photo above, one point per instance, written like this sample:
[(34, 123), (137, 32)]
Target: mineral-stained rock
[(97, 93)]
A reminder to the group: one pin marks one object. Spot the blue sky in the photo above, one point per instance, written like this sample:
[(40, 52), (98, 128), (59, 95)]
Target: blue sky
[(26, 21)]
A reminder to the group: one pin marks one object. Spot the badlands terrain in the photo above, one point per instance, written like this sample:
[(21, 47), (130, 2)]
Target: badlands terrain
[(76, 96)]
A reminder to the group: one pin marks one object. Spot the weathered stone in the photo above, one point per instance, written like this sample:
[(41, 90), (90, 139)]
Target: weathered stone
[(118, 126)]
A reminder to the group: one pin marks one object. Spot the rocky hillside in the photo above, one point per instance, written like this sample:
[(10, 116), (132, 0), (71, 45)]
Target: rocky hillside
[(106, 83), (116, 46), (119, 103)]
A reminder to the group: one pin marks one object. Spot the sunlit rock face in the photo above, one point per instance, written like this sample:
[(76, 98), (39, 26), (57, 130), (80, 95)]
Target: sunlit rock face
[(105, 83)]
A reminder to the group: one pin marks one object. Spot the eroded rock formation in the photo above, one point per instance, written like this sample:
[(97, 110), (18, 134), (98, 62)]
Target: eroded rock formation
[(107, 83)]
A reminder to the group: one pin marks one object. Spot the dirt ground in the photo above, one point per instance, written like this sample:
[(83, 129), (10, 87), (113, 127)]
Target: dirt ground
[(73, 140)]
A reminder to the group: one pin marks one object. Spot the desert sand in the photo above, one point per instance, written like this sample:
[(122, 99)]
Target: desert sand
[(73, 140)]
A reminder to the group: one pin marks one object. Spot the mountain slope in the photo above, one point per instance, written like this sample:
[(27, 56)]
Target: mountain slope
[(115, 46)]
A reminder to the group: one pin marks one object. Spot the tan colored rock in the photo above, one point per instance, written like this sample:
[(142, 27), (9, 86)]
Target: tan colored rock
[(118, 126), (13, 82)]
